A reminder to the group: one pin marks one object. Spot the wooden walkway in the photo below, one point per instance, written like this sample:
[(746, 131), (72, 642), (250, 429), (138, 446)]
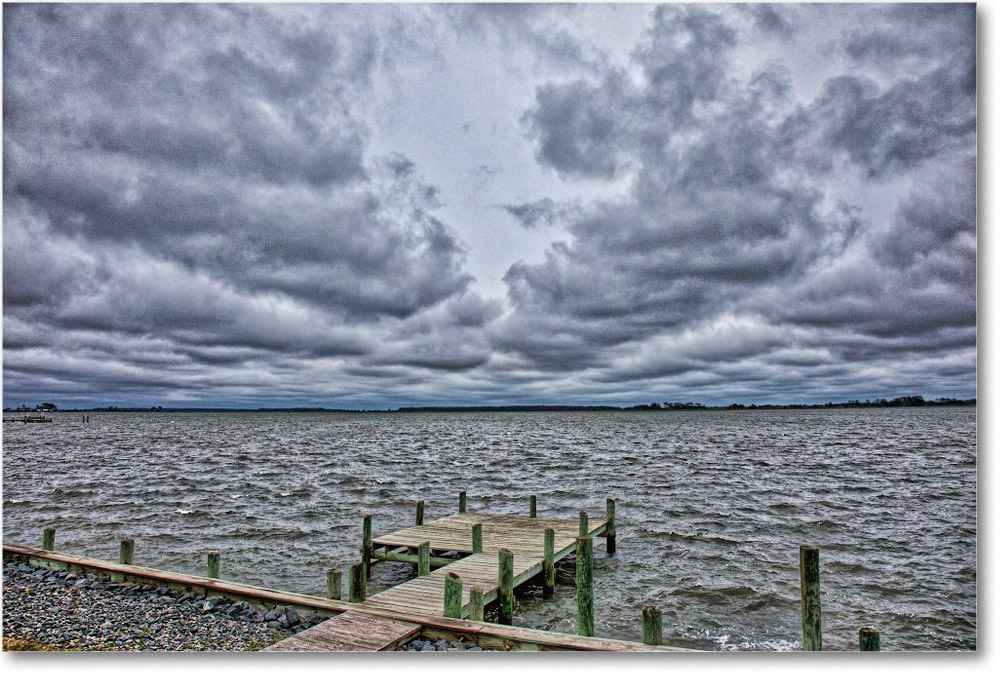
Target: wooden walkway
[(521, 535), (451, 543)]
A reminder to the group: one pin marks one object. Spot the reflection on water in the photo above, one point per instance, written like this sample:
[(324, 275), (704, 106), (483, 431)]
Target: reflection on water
[(712, 506)]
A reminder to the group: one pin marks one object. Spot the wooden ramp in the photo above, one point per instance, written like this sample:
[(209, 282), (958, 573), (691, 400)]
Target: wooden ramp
[(350, 632)]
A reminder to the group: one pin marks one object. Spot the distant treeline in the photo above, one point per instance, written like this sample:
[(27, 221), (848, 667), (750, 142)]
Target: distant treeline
[(898, 402)]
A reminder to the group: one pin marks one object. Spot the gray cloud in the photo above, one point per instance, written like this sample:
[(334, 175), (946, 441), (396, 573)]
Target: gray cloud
[(203, 203)]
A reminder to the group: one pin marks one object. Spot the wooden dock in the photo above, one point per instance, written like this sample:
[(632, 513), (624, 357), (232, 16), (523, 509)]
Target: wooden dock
[(469, 546)]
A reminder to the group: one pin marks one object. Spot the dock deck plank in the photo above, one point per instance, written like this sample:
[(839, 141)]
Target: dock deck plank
[(350, 632)]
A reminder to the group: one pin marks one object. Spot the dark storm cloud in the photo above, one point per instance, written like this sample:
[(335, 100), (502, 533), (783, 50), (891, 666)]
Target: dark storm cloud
[(200, 173), (736, 218), (775, 202)]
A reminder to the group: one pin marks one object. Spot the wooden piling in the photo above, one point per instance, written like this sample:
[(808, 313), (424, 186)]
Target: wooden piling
[(452, 596), (549, 565), (477, 608), (366, 546), (533, 507), (585, 586), (334, 582), (477, 538), (812, 623), (505, 594), (609, 532), (584, 524), (49, 539), (652, 625), (213, 565), (424, 559), (869, 639), (356, 585), (126, 551), (461, 501), (420, 513)]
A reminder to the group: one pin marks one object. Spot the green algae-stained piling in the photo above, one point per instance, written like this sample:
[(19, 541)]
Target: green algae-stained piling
[(652, 625), (585, 586), (477, 608), (356, 583), (610, 535), (452, 596), (49, 539), (812, 620), (334, 582), (869, 639), (549, 565), (533, 507), (366, 545), (505, 579), (126, 551), (477, 538), (420, 513), (424, 559), (461, 501), (584, 524), (213, 565)]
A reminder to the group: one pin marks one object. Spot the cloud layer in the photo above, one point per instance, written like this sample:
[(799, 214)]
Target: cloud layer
[(195, 212)]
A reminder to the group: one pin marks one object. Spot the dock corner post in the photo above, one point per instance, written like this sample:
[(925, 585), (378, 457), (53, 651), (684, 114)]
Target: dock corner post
[(477, 538), (424, 559), (126, 551), (505, 594), (461, 501), (610, 534), (652, 625), (366, 546), (49, 539), (533, 507), (452, 596), (584, 524), (812, 622), (585, 586), (334, 582), (549, 565), (477, 608), (356, 583), (420, 513), (213, 565), (869, 639)]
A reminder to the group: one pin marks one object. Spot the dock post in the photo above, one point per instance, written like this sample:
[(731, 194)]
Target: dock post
[(610, 533), (334, 581), (584, 524), (505, 594), (49, 539), (533, 507), (126, 550), (366, 546), (213, 565), (869, 640), (452, 596), (424, 559), (585, 586), (549, 566), (420, 513), (461, 501), (812, 623), (356, 583), (477, 608), (652, 625), (477, 538)]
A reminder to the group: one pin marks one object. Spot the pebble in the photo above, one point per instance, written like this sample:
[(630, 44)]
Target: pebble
[(62, 610), (425, 645)]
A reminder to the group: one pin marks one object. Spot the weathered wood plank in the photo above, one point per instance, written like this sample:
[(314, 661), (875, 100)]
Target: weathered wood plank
[(353, 632)]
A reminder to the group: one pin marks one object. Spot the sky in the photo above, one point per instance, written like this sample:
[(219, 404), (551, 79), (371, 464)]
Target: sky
[(379, 205)]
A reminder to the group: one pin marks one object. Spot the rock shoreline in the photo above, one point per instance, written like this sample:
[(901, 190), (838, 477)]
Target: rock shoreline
[(61, 609)]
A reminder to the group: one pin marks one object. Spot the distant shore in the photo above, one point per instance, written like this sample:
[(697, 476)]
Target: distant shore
[(898, 402)]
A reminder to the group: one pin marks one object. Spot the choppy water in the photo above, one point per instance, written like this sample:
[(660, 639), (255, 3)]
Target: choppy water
[(712, 506)]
